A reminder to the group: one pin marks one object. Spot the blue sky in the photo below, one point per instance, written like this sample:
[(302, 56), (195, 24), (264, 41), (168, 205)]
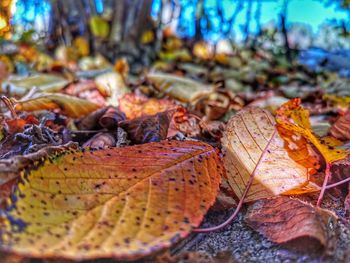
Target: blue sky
[(311, 12)]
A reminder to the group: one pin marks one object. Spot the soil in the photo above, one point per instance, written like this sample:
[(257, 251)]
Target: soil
[(246, 245)]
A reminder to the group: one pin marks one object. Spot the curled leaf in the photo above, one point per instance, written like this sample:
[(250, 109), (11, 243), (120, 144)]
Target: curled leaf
[(69, 105), (252, 147), (284, 219), (146, 129), (124, 203), (111, 118)]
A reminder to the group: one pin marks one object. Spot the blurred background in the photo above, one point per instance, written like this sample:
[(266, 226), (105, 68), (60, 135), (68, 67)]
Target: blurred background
[(319, 28)]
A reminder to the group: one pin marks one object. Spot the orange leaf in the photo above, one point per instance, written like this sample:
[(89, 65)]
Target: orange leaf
[(124, 203), (17, 125), (138, 106), (294, 127), (253, 147)]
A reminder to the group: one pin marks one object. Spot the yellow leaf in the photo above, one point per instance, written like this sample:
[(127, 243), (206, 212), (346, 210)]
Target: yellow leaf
[(202, 50), (252, 146), (124, 203), (341, 101), (82, 46), (294, 126), (71, 106)]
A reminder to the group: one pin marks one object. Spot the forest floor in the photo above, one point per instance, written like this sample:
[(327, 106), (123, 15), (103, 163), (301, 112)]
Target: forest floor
[(246, 245)]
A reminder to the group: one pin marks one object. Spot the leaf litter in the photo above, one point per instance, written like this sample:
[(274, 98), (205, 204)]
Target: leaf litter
[(69, 146)]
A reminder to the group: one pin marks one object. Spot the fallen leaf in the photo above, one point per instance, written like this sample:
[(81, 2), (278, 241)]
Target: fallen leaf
[(111, 118), (284, 219), (251, 145), (74, 89), (122, 67), (17, 125), (341, 128), (10, 168), (101, 140), (184, 123), (43, 82), (124, 203), (69, 105), (135, 106), (180, 88), (91, 121), (294, 127), (269, 103), (111, 85), (146, 129)]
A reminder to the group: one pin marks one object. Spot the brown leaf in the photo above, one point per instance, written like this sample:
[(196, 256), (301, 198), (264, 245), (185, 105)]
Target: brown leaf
[(149, 128), (111, 118), (284, 219), (101, 140), (91, 121), (341, 128)]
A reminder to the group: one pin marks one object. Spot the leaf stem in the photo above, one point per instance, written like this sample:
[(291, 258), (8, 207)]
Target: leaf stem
[(230, 219), (241, 201), (325, 181), (338, 183)]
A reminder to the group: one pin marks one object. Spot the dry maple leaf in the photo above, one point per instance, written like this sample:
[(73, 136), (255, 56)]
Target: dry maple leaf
[(139, 106), (284, 219), (124, 203), (71, 106), (253, 148)]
